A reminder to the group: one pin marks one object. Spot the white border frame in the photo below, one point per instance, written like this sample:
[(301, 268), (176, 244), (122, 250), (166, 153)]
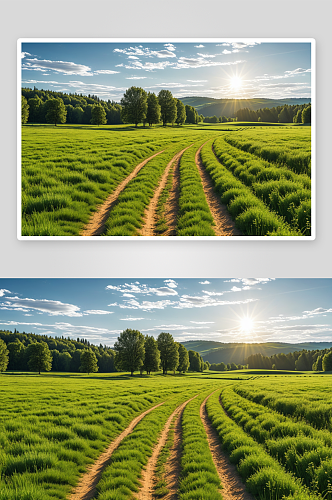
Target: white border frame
[(312, 41)]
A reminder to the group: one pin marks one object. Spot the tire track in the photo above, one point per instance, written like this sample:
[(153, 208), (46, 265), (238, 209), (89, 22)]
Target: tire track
[(86, 488), (233, 487), (224, 224), (96, 225), (146, 491), (150, 211)]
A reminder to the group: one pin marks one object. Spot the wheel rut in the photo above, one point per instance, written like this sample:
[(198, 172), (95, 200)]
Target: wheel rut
[(233, 487), (224, 224), (150, 212), (96, 225), (86, 488), (148, 474)]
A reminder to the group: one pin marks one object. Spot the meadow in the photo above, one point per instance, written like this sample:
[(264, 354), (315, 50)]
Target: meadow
[(262, 175), (53, 428)]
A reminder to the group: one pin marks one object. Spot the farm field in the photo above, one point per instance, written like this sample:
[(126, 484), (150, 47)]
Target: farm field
[(207, 180), (196, 436)]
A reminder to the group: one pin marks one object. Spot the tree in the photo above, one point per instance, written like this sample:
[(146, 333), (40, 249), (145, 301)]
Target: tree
[(183, 359), (298, 117), (134, 105), (35, 106), (98, 115), (169, 352), (196, 361), (129, 350), (16, 351), (303, 362), (89, 362), (24, 110), (180, 112), (4, 358), (153, 111), (318, 364), (306, 115), (56, 111), (152, 355), (327, 362), (40, 358), (191, 114), (168, 107)]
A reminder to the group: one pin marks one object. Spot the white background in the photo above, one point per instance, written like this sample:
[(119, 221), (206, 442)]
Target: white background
[(172, 18)]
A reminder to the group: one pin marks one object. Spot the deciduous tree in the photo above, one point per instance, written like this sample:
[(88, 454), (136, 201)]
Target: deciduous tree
[(180, 112), (168, 107), (4, 358), (306, 115), (169, 352), (327, 362), (134, 105), (152, 355), (89, 362), (130, 350), (98, 115), (40, 358), (183, 359), (56, 111), (153, 111), (24, 110)]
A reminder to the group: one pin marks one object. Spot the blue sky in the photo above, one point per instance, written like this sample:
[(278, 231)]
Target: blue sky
[(225, 310), (227, 69)]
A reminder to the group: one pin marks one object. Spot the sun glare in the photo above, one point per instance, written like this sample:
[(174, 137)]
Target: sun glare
[(236, 82), (246, 325)]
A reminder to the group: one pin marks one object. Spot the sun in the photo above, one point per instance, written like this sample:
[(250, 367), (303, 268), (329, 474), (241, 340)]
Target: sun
[(236, 82), (246, 325)]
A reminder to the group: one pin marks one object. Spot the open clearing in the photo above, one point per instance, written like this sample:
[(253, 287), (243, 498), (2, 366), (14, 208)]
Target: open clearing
[(110, 181), (80, 437)]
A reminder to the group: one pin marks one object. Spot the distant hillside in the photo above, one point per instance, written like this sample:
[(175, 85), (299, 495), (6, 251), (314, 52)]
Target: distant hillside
[(208, 106), (217, 352)]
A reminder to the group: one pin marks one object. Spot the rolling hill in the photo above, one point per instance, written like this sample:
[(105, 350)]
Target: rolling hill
[(207, 106), (216, 352)]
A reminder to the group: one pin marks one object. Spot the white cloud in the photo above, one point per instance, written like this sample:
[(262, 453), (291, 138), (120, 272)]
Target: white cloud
[(144, 306), (226, 51), (138, 65), (147, 52), (170, 46), (206, 282), (206, 55), (136, 77), (131, 319), (3, 291), (24, 54), (51, 307), (65, 67), (105, 72), (199, 46), (203, 322), (189, 302), (201, 62), (171, 283), (96, 311), (197, 81), (173, 328), (133, 288)]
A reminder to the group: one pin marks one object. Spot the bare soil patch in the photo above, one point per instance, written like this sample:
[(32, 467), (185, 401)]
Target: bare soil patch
[(224, 224), (172, 204), (150, 212), (233, 487), (96, 225), (146, 491), (86, 488)]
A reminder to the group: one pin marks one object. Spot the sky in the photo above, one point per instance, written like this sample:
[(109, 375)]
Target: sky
[(224, 310), (224, 69)]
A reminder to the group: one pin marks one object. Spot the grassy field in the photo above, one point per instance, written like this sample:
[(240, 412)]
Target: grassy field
[(261, 173), (53, 427)]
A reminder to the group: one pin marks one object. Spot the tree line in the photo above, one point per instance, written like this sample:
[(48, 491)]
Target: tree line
[(299, 113), (132, 352), (137, 106), (316, 360)]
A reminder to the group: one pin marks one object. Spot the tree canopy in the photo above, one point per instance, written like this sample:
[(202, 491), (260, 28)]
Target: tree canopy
[(88, 361), (4, 358), (40, 358), (56, 111), (134, 105), (153, 110), (152, 355), (98, 115), (167, 107), (169, 352), (130, 350), (25, 110)]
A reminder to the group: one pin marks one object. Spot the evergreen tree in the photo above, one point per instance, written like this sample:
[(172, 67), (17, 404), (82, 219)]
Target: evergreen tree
[(88, 361), (134, 105), (180, 112), (56, 111), (153, 110), (169, 352), (24, 110), (167, 107), (4, 358), (152, 355), (40, 358), (183, 359), (318, 364), (98, 115), (130, 350)]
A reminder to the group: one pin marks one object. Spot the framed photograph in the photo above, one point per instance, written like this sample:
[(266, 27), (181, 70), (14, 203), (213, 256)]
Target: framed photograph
[(182, 139)]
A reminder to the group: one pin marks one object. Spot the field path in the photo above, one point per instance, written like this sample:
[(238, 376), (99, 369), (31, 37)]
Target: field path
[(172, 203), (146, 491), (86, 488), (96, 225), (150, 211), (233, 487), (224, 224)]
